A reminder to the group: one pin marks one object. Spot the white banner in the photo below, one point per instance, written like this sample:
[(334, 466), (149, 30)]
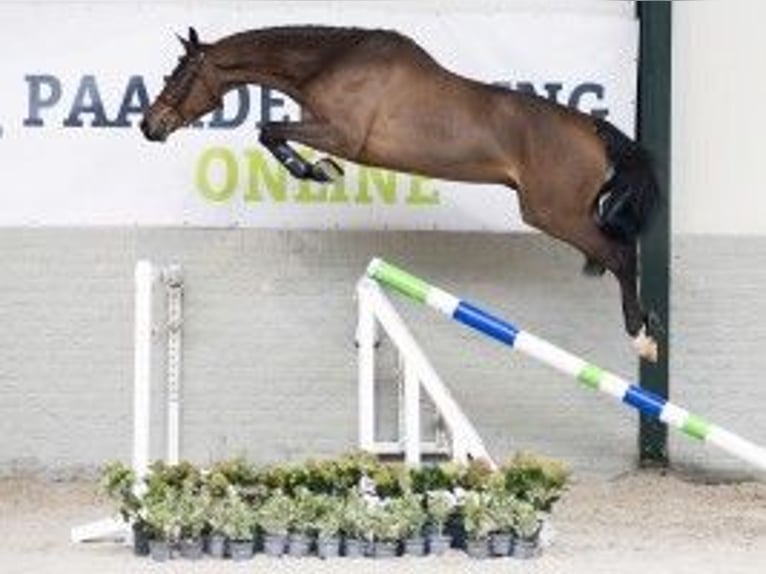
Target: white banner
[(75, 78)]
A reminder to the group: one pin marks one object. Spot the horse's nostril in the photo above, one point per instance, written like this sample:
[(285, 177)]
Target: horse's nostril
[(152, 133), (144, 126)]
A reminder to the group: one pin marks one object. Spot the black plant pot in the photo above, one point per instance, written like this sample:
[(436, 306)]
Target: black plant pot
[(298, 545), (274, 544), (354, 548), (526, 548), (415, 546), (141, 536), (216, 545), (160, 550), (501, 543), (438, 544), (191, 548), (241, 550), (384, 549), (328, 547), (478, 548)]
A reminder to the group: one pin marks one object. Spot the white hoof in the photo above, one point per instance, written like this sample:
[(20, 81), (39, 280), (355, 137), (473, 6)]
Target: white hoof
[(645, 346)]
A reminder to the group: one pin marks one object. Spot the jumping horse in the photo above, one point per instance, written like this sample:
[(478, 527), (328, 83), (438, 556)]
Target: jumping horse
[(369, 96)]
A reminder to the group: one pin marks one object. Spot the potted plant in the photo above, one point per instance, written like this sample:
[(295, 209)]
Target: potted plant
[(440, 505), (237, 525), (535, 479), (355, 525), (191, 520), (329, 524), (162, 518), (502, 511), (118, 483), (302, 524), (387, 527), (274, 518), (477, 523), (527, 526), (413, 520)]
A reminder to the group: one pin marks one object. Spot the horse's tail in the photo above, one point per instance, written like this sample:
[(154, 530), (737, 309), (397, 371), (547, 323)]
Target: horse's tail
[(628, 199)]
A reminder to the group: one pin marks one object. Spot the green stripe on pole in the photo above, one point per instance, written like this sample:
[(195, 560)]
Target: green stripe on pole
[(696, 427), (590, 376), (399, 279)]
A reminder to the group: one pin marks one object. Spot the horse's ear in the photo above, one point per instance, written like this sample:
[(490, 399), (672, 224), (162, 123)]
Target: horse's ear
[(184, 42), (193, 38)]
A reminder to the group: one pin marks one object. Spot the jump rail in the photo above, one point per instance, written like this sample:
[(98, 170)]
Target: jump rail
[(590, 375)]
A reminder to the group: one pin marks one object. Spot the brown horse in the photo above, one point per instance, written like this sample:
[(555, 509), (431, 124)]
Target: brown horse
[(369, 96)]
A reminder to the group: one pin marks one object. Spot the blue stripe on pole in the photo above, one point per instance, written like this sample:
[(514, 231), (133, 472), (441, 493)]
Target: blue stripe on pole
[(645, 401), (486, 323)]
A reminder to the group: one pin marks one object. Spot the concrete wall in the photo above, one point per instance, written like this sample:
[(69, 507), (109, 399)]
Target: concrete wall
[(718, 117), (269, 363), (269, 360)]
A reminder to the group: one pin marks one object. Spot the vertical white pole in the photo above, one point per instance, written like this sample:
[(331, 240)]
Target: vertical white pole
[(142, 367), (365, 338), (174, 287), (411, 415)]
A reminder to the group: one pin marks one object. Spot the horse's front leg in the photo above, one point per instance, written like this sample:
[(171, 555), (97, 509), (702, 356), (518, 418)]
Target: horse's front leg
[(275, 135), (637, 322), (620, 258)]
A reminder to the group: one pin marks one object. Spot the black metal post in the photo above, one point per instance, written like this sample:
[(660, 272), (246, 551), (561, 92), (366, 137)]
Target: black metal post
[(654, 102)]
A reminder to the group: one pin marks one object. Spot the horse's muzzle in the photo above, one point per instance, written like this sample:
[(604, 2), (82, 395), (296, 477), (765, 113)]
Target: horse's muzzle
[(155, 133)]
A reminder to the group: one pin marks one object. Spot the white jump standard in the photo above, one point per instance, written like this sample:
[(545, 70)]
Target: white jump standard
[(588, 374)]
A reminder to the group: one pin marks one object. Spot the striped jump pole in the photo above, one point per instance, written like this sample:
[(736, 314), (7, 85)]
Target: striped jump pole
[(590, 375)]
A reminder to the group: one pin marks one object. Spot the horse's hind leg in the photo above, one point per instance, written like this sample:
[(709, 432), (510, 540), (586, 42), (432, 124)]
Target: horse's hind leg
[(274, 137)]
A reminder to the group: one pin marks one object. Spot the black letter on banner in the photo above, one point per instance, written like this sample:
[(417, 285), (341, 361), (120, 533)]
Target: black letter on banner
[(589, 88), (220, 121), (134, 90), (267, 103), (87, 101), (553, 89), (36, 101)]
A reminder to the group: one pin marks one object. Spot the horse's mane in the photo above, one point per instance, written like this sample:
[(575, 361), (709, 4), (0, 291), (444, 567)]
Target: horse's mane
[(304, 35)]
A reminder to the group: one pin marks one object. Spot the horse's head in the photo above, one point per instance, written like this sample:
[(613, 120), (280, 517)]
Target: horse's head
[(192, 90)]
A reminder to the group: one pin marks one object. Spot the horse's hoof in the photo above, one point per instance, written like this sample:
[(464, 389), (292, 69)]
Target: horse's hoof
[(646, 346), (326, 170)]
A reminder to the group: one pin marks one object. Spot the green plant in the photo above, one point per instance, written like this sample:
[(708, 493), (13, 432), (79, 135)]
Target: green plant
[(236, 518), (276, 514), (476, 475), (118, 482), (304, 512), (535, 479), (502, 507), (413, 517), (428, 478), (162, 514), (356, 520), (391, 480), (476, 516), (440, 504), (192, 510), (329, 515), (386, 521), (526, 520)]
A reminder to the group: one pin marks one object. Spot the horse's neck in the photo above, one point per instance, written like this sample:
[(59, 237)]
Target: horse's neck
[(272, 59)]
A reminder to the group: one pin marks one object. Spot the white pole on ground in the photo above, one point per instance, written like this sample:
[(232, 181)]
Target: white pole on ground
[(142, 367), (365, 340), (411, 415), (173, 280), (465, 439)]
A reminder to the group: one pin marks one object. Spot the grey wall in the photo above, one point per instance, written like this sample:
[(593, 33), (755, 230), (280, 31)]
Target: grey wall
[(269, 362)]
